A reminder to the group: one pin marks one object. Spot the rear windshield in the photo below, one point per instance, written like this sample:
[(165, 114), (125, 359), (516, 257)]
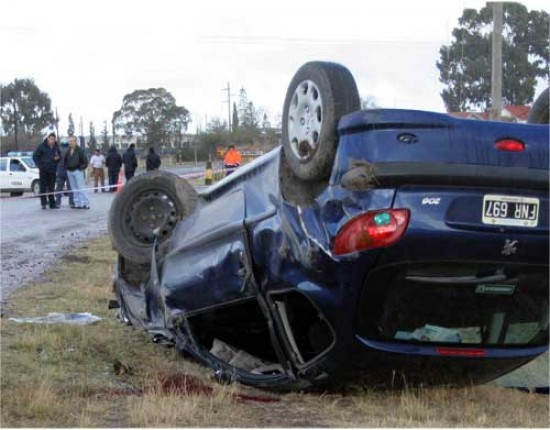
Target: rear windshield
[(412, 308)]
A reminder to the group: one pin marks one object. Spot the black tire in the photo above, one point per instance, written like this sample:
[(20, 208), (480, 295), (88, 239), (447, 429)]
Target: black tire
[(296, 190), (16, 193), (35, 187), (155, 200), (318, 96), (539, 111)]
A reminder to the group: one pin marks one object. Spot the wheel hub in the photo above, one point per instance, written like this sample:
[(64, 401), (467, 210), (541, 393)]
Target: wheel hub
[(150, 212), (305, 118)]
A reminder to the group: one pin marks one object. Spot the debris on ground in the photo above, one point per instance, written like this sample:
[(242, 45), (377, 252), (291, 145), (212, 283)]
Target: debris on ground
[(79, 318)]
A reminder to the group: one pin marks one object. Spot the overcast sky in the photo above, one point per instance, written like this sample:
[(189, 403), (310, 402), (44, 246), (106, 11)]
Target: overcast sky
[(88, 54)]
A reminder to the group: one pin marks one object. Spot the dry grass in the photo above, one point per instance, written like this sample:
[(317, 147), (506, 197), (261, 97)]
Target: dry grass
[(63, 376)]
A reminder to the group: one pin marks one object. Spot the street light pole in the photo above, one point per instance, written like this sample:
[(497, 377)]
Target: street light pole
[(113, 125)]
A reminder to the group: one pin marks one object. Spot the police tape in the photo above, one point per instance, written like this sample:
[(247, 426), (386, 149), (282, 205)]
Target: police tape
[(107, 187)]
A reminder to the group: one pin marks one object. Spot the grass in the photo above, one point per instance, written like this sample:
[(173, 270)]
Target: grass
[(112, 375)]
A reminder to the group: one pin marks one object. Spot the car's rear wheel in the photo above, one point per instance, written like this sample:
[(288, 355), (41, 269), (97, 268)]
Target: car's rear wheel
[(539, 111), (35, 187), (149, 206), (318, 95)]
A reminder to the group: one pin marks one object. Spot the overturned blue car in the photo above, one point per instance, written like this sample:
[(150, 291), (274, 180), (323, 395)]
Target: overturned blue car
[(379, 247)]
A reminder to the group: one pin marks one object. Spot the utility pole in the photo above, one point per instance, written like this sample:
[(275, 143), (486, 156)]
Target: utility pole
[(81, 130), (15, 123), (195, 144), (228, 89), (56, 123), (496, 70), (113, 126)]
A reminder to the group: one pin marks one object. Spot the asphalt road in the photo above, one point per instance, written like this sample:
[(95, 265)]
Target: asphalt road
[(31, 239)]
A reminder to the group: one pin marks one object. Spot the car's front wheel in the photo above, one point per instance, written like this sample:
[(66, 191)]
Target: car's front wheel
[(319, 94), (148, 207)]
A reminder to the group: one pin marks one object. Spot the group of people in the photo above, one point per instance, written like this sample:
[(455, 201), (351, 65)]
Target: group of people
[(64, 165), (59, 165)]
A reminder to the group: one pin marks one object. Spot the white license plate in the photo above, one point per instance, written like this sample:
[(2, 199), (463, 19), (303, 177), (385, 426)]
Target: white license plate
[(510, 210)]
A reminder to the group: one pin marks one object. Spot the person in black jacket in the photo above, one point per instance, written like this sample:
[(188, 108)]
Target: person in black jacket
[(76, 163), (153, 160), (113, 163), (130, 162), (62, 178), (46, 156)]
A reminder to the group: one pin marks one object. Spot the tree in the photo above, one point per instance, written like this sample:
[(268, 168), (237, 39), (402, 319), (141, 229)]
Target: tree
[(235, 119), (24, 109), (152, 114), (266, 124), (217, 125), (465, 65), (93, 140), (70, 129), (249, 119), (248, 115), (104, 138)]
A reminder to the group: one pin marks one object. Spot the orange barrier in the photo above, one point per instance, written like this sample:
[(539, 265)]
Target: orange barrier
[(120, 182)]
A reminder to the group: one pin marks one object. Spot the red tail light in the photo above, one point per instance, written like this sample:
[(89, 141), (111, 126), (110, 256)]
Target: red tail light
[(510, 145), (371, 230), (462, 352)]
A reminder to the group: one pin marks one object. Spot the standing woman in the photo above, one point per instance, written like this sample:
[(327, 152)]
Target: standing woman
[(46, 156), (76, 163)]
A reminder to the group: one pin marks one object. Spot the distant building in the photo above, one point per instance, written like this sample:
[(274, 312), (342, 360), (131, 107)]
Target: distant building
[(517, 114)]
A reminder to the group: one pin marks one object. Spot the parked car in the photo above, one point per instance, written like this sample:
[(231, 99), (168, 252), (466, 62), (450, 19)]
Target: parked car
[(379, 246), (19, 154), (18, 174)]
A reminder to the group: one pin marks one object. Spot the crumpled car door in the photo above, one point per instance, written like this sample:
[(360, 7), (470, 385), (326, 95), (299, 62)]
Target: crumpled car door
[(209, 264)]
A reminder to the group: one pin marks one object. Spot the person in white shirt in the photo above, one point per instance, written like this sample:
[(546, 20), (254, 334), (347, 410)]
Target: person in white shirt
[(97, 162)]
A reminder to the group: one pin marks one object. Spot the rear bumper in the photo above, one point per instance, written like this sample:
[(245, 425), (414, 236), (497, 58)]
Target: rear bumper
[(397, 365), (459, 353)]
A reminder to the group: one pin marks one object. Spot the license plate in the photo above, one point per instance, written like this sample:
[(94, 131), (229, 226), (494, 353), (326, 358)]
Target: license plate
[(510, 210)]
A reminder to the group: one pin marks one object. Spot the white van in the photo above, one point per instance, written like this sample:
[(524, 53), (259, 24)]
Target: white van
[(17, 175)]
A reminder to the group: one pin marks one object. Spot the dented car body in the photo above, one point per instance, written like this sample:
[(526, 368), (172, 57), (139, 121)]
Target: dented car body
[(379, 246), (460, 296)]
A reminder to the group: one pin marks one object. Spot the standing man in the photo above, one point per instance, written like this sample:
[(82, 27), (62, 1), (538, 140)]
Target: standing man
[(153, 160), (46, 157), (232, 159), (76, 163), (62, 179), (113, 163), (98, 162), (130, 162)]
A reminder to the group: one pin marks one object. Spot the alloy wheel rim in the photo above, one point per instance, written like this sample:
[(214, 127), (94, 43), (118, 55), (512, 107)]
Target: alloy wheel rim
[(305, 119)]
